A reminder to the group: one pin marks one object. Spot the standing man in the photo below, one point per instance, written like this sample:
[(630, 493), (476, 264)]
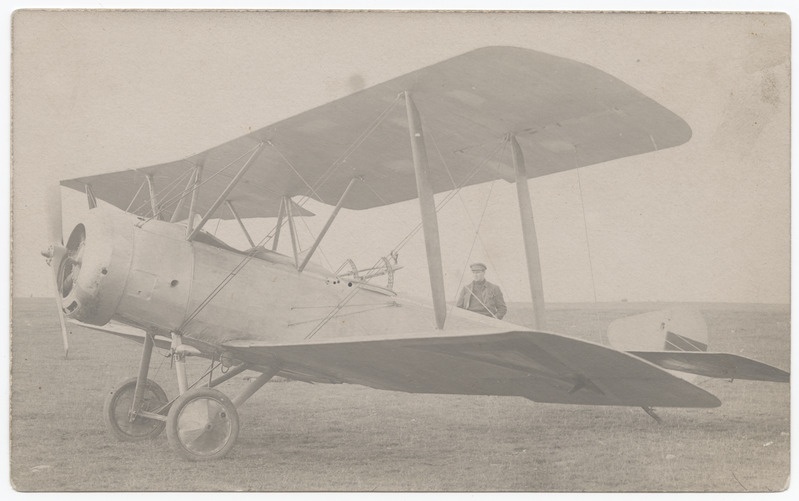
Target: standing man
[(481, 296)]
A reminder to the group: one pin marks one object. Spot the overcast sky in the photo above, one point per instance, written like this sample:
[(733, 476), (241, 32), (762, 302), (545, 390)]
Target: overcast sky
[(705, 221)]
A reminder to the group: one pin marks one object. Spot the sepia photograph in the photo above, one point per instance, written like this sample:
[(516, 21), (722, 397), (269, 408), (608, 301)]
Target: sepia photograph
[(450, 251)]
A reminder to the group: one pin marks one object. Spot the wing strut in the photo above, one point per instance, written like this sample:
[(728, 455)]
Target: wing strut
[(222, 196), (428, 209), (153, 200), (179, 206), (90, 198), (529, 235), (241, 223), (327, 225), (197, 180), (279, 224), (292, 230)]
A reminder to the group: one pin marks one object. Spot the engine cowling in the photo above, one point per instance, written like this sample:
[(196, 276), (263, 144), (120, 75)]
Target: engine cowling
[(92, 275)]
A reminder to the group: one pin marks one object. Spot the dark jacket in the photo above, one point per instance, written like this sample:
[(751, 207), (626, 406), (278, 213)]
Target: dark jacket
[(490, 297)]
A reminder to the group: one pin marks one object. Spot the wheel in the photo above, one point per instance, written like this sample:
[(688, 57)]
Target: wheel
[(202, 424), (117, 407)]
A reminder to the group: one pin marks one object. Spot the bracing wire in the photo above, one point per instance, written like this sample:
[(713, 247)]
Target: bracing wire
[(474, 240), (351, 148), (354, 145), (170, 186), (185, 192), (402, 243), (476, 229), (449, 197), (141, 186), (313, 236), (602, 334), (313, 191)]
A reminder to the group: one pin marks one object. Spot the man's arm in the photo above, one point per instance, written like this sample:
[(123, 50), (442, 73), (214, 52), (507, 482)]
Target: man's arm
[(461, 298), (501, 308)]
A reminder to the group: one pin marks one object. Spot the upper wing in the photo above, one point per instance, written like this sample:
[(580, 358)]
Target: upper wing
[(564, 114), (127, 190), (539, 366)]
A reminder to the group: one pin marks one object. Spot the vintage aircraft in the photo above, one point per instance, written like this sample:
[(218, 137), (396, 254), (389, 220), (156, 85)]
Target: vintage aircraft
[(151, 273)]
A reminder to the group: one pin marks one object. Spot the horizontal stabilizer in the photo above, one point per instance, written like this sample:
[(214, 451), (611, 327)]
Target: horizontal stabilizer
[(719, 365)]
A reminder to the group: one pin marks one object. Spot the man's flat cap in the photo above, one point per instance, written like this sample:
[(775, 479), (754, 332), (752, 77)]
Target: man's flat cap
[(477, 267)]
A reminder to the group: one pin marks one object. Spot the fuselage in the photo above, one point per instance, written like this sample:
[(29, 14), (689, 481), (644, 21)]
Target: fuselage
[(146, 274)]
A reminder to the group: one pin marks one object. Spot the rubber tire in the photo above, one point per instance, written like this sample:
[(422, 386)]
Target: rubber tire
[(153, 399), (228, 414)]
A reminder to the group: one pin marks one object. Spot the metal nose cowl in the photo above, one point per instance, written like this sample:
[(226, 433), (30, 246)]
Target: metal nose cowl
[(91, 274), (69, 267)]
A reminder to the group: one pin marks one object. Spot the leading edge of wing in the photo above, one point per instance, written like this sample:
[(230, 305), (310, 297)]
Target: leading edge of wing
[(540, 366), (564, 113)]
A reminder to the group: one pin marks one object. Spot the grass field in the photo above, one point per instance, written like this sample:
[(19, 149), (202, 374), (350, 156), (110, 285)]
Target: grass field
[(297, 436)]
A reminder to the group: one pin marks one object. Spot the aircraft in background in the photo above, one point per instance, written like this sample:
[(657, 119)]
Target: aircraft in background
[(142, 266)]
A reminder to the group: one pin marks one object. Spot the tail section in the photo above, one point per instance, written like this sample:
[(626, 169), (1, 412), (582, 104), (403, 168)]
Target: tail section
[(677, 340), (669, 330), (717, 365)]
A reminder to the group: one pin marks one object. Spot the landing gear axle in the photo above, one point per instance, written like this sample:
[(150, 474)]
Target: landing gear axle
[(128, 426)]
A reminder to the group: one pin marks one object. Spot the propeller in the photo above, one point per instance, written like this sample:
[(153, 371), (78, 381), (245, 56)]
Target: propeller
[(56, 254)]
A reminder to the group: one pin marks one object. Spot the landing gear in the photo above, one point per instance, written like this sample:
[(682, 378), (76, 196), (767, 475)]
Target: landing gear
[(202, 424), (134, 427)]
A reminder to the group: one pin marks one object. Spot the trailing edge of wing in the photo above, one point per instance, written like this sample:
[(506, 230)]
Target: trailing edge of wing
[(564, 114), (540, 366)]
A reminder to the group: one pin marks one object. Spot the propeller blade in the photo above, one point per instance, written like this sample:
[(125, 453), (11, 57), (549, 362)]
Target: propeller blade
[(56, 255)]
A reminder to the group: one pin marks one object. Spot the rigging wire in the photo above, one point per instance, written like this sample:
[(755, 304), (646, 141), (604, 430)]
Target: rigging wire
[(354, 146), (141, 186), (449, 197), (403, 242), (351, 148), (474, 240), (185, 192), (476, 229), (291, 165), (319, 248), (170, 186), (248, 256), (602, 334)]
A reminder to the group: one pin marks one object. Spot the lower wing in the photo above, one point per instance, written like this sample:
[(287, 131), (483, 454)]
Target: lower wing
[(539, 366)]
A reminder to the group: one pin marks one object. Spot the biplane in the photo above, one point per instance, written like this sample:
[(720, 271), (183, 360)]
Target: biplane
[(142, 265)]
